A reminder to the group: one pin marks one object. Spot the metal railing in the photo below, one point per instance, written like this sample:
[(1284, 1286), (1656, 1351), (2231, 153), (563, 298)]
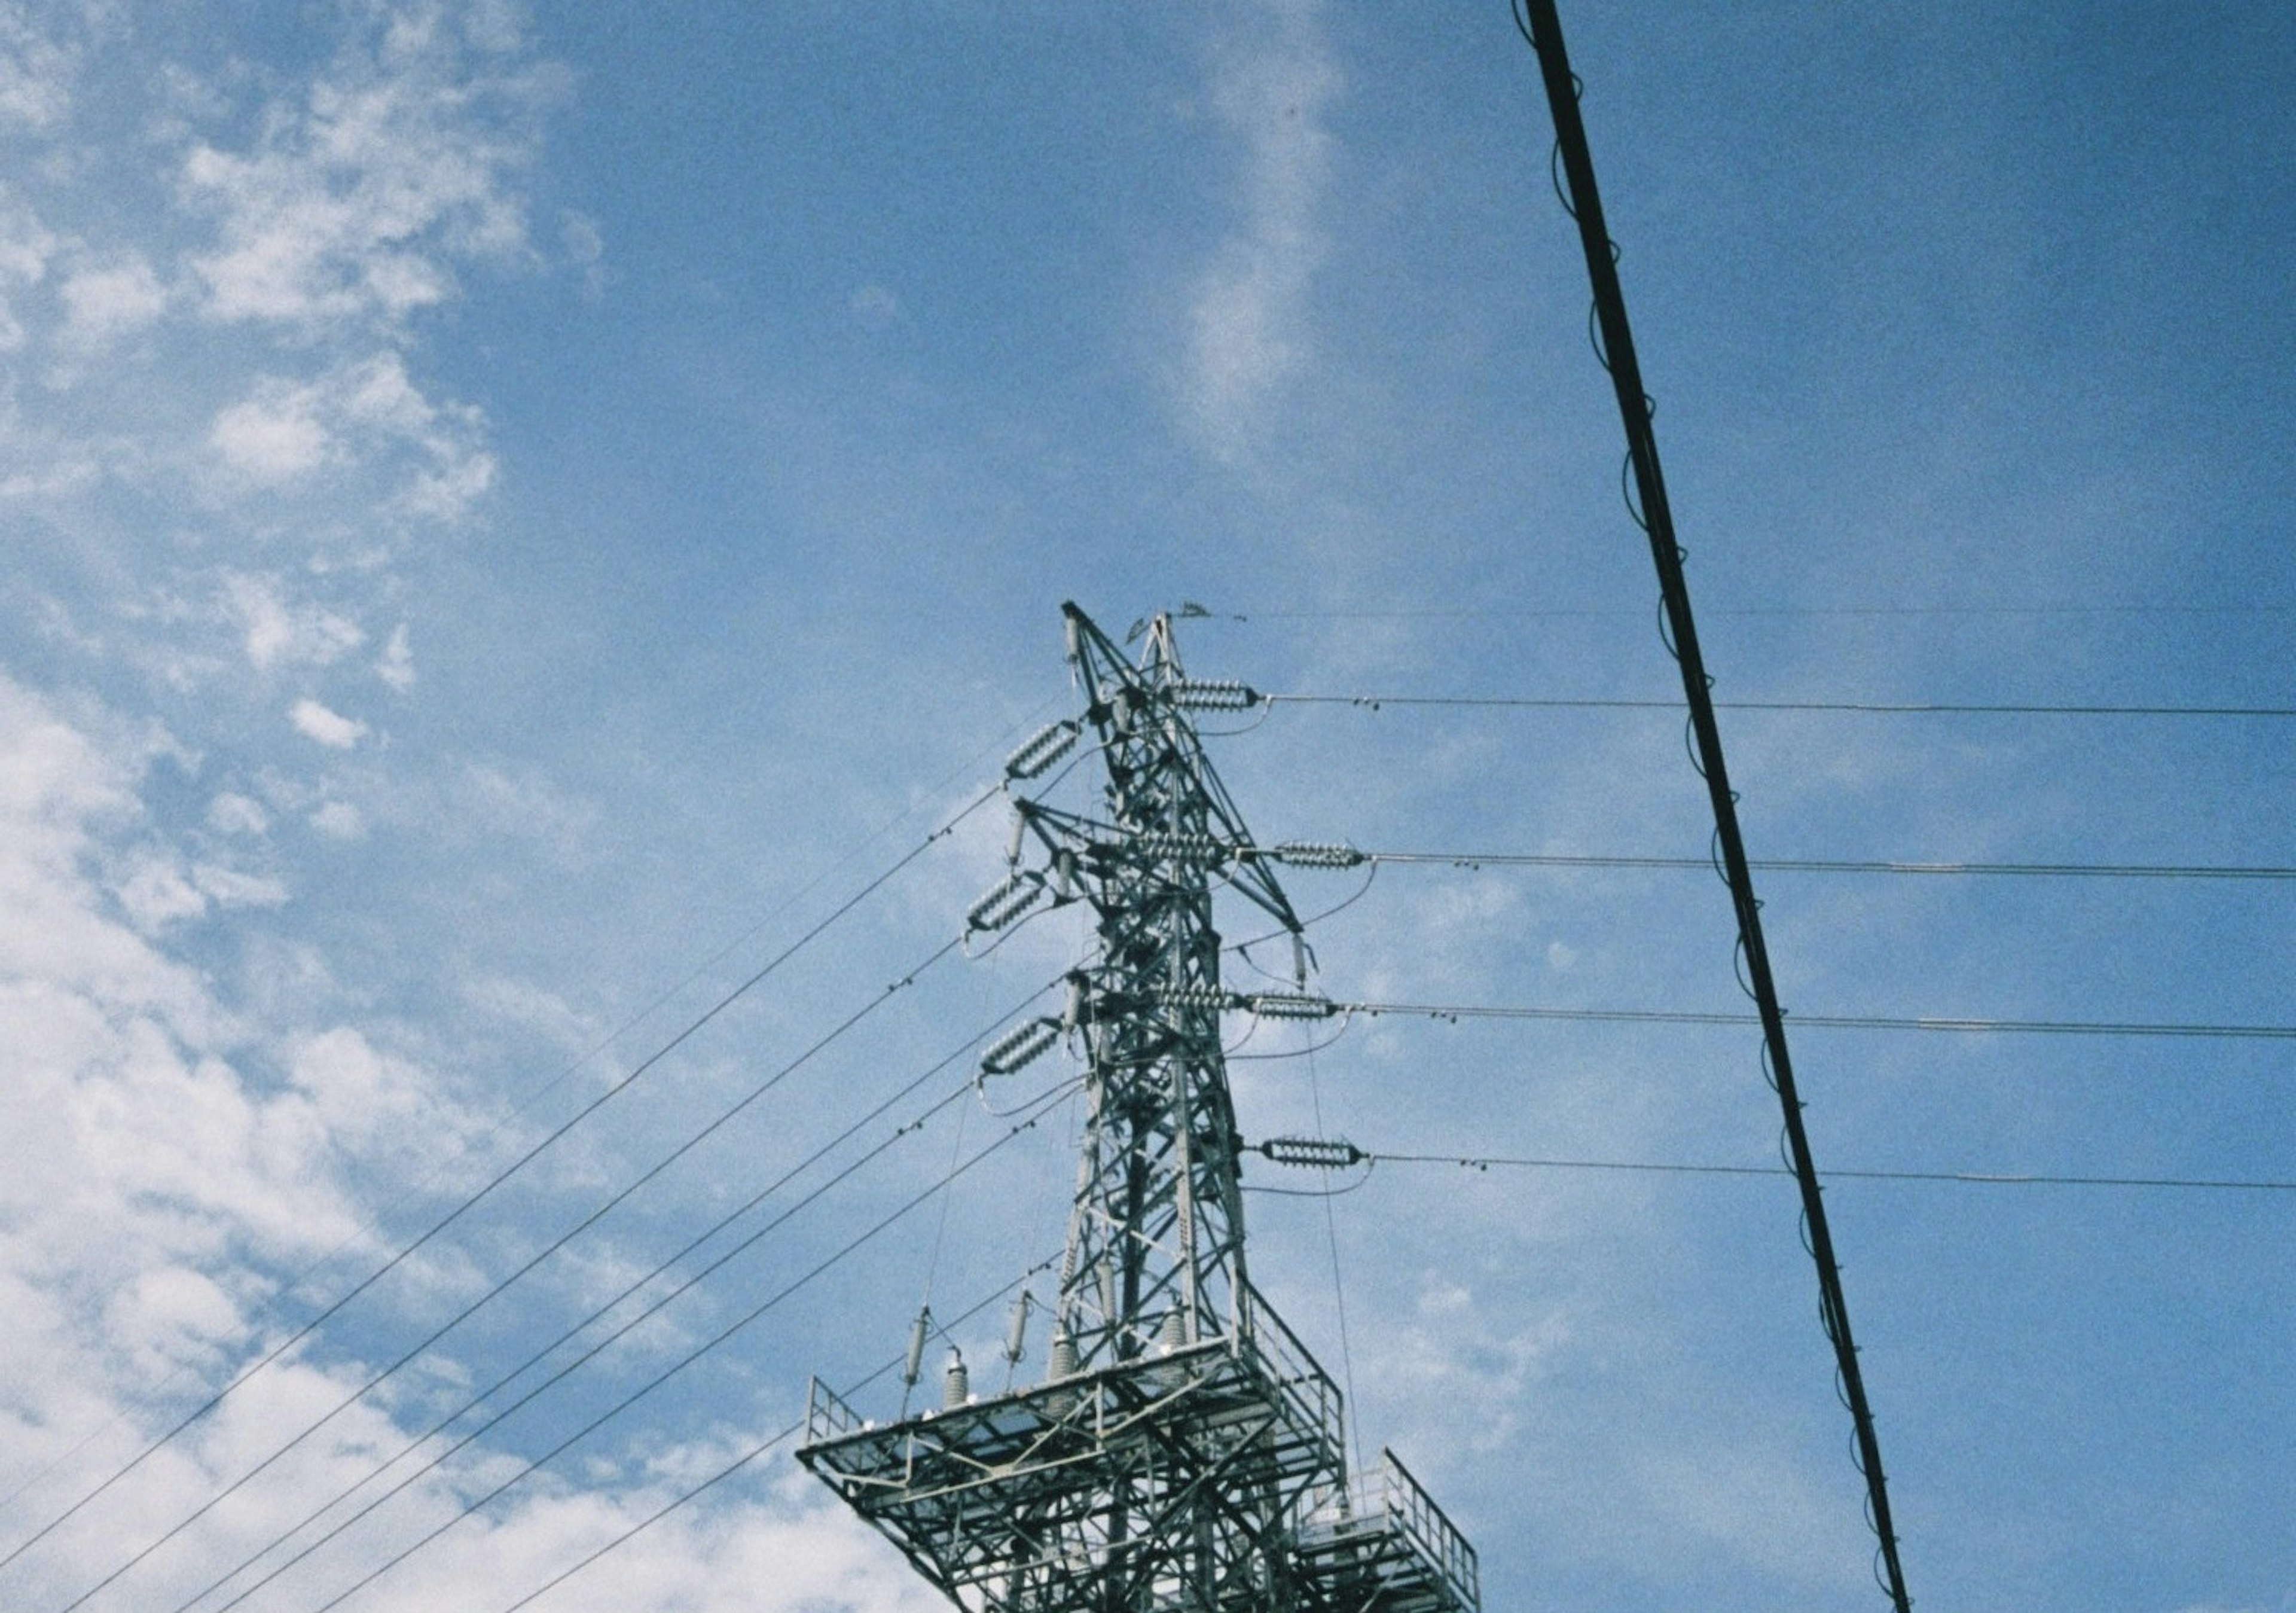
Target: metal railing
[(1387, 1502), (826, 1416), (1288, 1364)]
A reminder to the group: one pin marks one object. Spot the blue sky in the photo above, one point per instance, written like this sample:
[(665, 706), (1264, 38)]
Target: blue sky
[(515, 513)]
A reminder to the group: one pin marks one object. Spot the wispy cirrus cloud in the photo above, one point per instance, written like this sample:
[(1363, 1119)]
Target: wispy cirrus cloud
[(1249, 335)]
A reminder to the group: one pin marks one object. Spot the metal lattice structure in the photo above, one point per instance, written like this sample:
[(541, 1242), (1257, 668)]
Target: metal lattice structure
[(1185, 1451)]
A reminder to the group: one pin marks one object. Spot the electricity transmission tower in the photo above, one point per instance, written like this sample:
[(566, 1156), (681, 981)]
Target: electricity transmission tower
[(1185, 1451)]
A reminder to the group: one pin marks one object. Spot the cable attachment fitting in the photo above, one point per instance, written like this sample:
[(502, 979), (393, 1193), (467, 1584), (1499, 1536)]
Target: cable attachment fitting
[(1050, 744), (1020, 1046), (1011, 897), (1315, 854), (1219, 694), (1291, 1005), (1316, 1153)]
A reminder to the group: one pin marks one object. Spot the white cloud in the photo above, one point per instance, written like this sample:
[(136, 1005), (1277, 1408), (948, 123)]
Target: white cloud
[(25, 247), (357, 202), (35, 73), (397, 665), (357, 415), (278, 634), (1248, 333), (105, 302), (339, 820), (274, 436), (232, 813), (329, 727)]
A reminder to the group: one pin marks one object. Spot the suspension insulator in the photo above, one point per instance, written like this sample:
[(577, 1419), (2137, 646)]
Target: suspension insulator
[(1012, 897), (1196, 996), (1291, 1005), (1317, 854), (918, 1333), (1219, 695), (1046, 747), (1021, 1047), (1016, 1331), (1200, 850), (1316, 1153)]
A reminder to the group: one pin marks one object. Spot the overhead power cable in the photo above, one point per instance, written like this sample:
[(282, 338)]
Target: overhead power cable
[(365, 1229), (763, 1447), (1859, 707), (1338, 855), (1562, 613), (683, 1286), (1572, 167), (1989, 1179), (598, 1312), (1820, 865), (502, 1176), (505, 1283), (672, 1370), (1832, 1022)]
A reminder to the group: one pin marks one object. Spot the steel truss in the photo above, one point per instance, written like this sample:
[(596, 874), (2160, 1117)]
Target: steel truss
[(1187, 1452)]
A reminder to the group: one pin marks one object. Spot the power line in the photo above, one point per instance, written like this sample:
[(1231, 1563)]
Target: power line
[(365, 1228), (1832, 1022), (1571, 163), (1860, 707), (672, 1370), (500, 1177), (1559, 613), (1957, 1178), (1817, 865), (724, 1222), (758, 1450), (505, 1283)]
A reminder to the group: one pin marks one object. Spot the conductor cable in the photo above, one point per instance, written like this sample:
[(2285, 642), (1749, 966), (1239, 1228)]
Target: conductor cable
[(473, 1402), (563, 1238), (473, 1200), (650, 1385)]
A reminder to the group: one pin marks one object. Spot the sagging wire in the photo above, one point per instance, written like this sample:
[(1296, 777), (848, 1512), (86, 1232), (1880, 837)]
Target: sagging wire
[(1062, 1088), (1267, 709), (1371, 873), (1344, 1017), (1332, 1231)]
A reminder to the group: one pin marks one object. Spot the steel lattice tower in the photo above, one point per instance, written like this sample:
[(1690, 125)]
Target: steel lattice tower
[(1185, 1451)]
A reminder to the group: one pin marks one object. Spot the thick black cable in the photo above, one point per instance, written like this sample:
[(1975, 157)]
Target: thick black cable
[(662, 1378), (1543, 30), (758, 1450), (470, 1403), (1992, 1179), (1862, 707), (505, 1283), (500, 1177), (1830, 1022)]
